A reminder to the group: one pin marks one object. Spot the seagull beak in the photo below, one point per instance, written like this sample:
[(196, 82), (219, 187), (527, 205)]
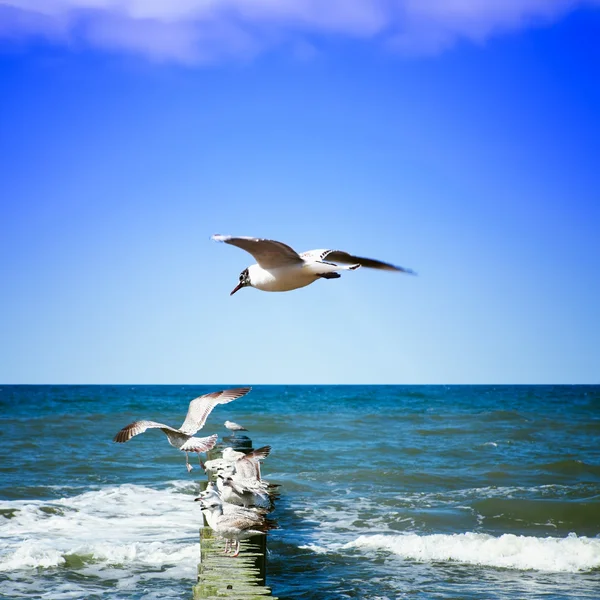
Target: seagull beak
[(239, 286)]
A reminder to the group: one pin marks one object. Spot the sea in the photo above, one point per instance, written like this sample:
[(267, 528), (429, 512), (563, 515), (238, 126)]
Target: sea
[(385, 492)]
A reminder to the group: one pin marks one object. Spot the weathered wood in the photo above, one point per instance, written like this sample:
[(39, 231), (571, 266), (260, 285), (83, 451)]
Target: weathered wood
[(222, 576)]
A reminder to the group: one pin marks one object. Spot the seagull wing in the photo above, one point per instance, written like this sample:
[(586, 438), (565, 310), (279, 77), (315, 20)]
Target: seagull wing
[(195, 444), (241, 522), (337, 256), (259, 453), (269, 254), (202, 406), (138, 427), (314, 255), (254, 486), (253, 458)]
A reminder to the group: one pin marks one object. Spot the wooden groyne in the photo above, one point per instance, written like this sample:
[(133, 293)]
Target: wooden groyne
[(220, 575)]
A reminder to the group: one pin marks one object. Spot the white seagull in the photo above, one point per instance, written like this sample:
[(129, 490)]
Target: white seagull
[(233, 526), (280, 268), (234, 427), (211, 494), (197, 414), (246, 465)]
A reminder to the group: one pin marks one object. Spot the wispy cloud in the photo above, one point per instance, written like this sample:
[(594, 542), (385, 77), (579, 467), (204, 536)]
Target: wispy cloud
[(196, 31)]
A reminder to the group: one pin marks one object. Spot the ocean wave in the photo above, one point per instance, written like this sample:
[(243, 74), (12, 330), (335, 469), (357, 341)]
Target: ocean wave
[(571, 467), (570, 554), (125, 527), (341, 515), (315, 548)]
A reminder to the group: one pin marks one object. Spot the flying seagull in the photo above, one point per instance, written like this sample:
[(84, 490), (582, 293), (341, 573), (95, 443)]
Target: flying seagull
[(197, 414), (280, 268)]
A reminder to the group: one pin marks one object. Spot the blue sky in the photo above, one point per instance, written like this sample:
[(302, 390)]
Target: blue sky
[(460, 139)]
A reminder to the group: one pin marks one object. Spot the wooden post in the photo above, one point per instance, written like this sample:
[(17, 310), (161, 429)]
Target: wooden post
[(220, 575)]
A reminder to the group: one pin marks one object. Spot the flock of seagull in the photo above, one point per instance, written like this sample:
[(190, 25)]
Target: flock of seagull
[(236, 505)]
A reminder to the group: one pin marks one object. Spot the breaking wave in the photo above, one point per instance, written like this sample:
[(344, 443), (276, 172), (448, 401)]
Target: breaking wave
[(127, 532), (570, 554)]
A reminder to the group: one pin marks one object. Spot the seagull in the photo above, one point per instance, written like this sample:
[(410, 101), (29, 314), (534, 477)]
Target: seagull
[(247, 465), (244, 492), (233, 526), (211, 493), (280, 268), (197, 414), (212, 466), (234, 427)]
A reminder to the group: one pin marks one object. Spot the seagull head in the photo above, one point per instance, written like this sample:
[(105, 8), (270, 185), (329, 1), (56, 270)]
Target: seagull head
[(244, 281), (227, 480)]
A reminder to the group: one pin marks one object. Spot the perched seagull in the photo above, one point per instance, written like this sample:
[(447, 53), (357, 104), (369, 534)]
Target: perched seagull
[(246, 465), (211, 493), (213, 466), (197, 414), (244, 492), (234, 427), (233, 526), (280, 268)]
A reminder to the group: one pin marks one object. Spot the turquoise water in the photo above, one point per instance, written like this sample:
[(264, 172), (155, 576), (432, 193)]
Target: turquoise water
[(386, 491)]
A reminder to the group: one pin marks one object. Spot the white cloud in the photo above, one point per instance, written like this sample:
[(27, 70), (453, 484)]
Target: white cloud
[(211, 30), (433, 25)]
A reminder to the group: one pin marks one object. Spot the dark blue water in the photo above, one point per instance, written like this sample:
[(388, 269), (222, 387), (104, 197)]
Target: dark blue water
[(386, 491)]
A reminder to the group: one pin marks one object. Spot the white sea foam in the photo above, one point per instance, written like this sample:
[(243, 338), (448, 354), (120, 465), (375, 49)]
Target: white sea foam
[(125, 532), (315, 548), (570, 554)]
